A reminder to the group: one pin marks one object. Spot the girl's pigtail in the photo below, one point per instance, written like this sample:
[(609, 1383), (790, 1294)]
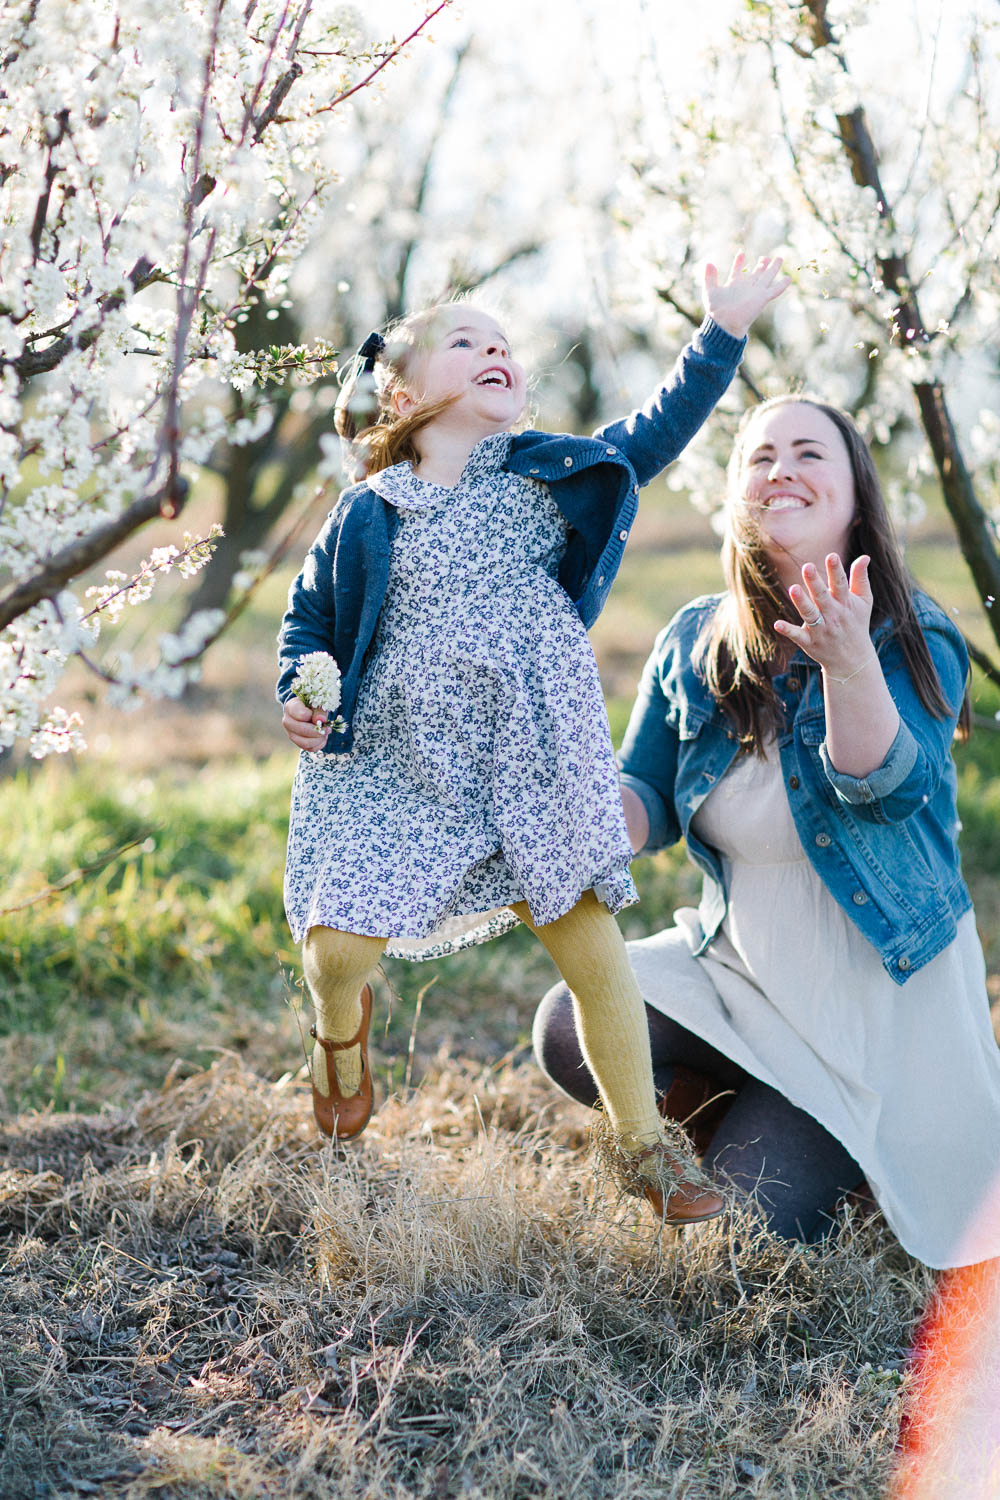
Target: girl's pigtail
[(358, 404)]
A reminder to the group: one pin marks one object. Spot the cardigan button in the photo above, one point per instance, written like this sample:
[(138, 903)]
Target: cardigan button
[(600, 580), (612, 450), (568, 462), (859, 898), (623, 536), (793, 782), (823, 840), (532, 471)]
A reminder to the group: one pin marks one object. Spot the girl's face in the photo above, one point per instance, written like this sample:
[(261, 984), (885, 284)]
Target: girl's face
[(795, 480), (465, 354)]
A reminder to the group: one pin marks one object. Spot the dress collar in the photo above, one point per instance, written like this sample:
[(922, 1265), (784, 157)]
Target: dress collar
[(401, 487)]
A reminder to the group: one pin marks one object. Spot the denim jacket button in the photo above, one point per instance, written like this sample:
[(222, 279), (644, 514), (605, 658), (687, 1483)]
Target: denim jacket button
[(793, 684), (823, 840), (793, 782), (859, 898), (903, 963)]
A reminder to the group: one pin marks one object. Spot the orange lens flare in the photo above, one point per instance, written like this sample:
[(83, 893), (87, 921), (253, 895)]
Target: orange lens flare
[(950, 1444)]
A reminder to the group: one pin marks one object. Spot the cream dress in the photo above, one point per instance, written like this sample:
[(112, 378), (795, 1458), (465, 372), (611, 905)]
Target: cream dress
[(906, 1077)]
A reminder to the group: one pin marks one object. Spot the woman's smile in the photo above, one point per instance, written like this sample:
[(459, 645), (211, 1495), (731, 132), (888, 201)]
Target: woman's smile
[(796, 479)]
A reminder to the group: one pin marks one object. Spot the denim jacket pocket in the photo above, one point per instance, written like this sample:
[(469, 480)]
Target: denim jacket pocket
[(811, 727), (686, 720)]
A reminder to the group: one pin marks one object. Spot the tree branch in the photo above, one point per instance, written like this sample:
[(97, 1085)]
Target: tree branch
[(975, 532), (364, 82), (278, 94), (988, 668), (78, 556)]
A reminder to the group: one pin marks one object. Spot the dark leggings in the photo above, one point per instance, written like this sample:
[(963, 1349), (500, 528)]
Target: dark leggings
[(793, 1169)]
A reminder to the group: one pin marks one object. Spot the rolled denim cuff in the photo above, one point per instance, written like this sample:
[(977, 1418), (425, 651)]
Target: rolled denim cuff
[(900, 759), (656, 812)]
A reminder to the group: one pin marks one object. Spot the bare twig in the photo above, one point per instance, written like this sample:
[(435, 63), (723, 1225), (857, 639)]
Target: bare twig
[(385, 61), (74, 877), (170, 431)]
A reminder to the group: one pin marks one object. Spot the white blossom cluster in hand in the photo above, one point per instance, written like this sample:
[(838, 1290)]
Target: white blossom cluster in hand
[(317, 683), (167, 161)]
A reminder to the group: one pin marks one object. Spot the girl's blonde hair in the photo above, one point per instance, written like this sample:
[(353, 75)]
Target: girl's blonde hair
[(364, 415), (739, 644)]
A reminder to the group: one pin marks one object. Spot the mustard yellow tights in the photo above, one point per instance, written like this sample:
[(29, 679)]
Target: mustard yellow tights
[(589, 952)]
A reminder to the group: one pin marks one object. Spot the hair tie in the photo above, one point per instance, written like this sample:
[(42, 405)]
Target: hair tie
[(370, 351)]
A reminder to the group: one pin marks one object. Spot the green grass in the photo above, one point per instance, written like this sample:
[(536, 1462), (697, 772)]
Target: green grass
[(179, 945)]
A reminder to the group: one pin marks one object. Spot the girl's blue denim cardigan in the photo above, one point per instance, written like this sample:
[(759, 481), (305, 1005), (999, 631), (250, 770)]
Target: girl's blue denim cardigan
[(884, 845), (334, 603)]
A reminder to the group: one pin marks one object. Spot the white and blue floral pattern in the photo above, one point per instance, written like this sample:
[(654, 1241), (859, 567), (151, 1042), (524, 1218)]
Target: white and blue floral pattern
[(482, 770)]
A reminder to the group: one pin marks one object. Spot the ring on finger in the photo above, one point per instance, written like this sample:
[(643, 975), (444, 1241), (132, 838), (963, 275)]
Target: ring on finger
[(817, 619)]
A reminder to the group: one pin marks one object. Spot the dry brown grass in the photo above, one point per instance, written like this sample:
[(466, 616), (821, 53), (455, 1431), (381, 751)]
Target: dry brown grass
[(199, 1301)]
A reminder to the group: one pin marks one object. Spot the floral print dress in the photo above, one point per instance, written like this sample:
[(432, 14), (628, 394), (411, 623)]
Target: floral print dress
[(482, 770)]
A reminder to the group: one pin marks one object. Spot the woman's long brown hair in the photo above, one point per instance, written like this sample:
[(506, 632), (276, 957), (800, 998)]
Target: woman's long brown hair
[(739, 646)]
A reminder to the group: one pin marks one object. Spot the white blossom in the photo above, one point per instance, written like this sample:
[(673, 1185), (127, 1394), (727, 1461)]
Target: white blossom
[(317, 682), (143, 197)]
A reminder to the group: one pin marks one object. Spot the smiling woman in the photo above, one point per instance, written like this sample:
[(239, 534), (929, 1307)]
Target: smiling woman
[(822, 1016)]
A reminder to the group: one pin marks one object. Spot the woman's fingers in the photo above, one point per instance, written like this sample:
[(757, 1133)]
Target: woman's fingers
[(860, 583), (808, 600), (836, 578)]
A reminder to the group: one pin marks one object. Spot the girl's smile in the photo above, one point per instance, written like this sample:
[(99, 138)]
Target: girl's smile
[(466, 356)]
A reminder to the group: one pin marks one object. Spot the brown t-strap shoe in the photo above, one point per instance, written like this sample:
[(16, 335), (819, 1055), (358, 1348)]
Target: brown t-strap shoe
[(335, 1115), (663, 1173), (691, 1200)]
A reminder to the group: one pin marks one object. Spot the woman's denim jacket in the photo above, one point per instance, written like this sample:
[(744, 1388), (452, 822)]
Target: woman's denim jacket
[(334, 603), (884, 845)]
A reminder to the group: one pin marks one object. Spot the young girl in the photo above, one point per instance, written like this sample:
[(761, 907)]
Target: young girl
[(472, 783)]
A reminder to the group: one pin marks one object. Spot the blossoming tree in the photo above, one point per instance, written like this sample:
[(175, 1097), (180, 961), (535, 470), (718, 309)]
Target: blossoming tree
[(873, 156), (160, 168)]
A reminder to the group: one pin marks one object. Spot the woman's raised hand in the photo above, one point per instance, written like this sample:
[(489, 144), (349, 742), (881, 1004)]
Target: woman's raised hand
[(300, 722), (735, 302), (835, 617)]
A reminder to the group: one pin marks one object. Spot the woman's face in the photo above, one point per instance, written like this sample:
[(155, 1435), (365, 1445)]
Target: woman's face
[(796, 483)]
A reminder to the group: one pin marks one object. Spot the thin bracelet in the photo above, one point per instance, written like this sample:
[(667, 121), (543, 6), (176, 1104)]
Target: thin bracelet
[(855, 673)]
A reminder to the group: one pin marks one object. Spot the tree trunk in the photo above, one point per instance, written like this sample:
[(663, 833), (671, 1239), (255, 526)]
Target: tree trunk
[(976, 535)]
